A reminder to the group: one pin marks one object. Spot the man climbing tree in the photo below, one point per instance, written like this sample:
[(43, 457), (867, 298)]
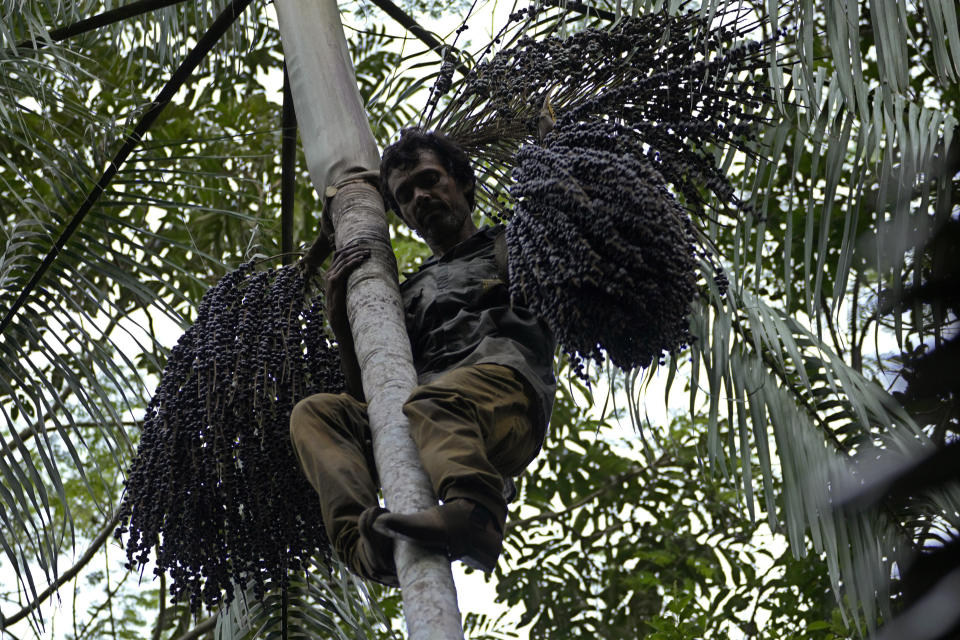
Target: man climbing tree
[(484, 366)]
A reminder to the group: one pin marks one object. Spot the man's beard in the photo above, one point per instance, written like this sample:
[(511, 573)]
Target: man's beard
[(438, 221)]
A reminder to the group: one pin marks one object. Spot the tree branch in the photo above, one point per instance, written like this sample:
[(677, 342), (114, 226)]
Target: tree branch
[(288, 165), (8, 635), (66, 576), (581, 7), (95, 22), (411, 25), (158, 628), (825, 310), (202, 628), (100, 607), (856, 356)]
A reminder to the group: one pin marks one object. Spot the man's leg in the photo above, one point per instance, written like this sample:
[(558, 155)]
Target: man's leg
[(330, 434), (472, 427)]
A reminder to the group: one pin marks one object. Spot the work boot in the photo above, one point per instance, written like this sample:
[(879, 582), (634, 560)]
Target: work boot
[(460, 528), (373, 556)]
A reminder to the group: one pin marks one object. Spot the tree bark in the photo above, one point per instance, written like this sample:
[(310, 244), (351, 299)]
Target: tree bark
[(342, 155)]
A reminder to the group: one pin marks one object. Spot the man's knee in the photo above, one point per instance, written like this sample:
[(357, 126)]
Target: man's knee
[(438, 413), (340, 413), (439, 400), (304, 414)]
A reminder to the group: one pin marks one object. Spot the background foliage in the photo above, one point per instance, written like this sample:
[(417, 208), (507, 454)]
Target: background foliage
[(670, 530)]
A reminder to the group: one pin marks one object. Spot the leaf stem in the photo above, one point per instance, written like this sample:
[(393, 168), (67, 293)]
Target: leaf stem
[(95, 22), (411, 25), (288, 165), (201, 628)]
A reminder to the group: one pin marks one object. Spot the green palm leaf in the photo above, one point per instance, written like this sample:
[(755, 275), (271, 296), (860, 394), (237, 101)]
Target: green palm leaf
[(325, 601)]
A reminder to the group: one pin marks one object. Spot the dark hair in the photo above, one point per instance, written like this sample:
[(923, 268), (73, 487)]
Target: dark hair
[(405, 153)]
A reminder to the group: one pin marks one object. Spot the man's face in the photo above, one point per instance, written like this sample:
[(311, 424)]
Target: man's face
[(430, 200)]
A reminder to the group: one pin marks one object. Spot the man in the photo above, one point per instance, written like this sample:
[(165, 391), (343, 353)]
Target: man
[(485, 371)]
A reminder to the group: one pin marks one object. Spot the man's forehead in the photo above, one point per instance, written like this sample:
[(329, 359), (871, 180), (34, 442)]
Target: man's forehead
[(425, 158)]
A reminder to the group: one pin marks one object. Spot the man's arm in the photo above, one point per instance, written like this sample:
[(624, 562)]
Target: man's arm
[(335, 279)]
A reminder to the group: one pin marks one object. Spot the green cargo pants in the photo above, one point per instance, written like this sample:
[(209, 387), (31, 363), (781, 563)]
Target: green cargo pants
[(472, 427)]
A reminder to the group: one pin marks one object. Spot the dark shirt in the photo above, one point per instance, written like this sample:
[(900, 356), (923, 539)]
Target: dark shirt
[(458, 313)]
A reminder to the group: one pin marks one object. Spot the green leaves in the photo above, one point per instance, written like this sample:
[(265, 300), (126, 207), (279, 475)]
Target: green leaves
[(325, 601), (792, 400), (69, 382), (383, 89), (611, 544)]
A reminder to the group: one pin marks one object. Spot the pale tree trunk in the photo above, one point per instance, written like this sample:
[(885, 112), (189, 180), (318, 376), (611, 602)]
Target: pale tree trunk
[(338, 144)]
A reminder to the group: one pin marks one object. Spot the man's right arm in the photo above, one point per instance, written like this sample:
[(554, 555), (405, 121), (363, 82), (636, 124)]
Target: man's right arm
[(335, 279)]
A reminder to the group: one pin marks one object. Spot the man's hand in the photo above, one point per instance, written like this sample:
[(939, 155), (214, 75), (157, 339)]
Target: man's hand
[(344, 262), (335, 282)]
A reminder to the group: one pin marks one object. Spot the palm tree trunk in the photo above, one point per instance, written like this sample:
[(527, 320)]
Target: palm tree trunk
[(339, 144)]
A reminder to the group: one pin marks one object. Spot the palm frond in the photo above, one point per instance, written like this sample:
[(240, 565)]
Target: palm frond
[(74, 352), (97, 21), (798, 409), (873, 152), (209, 39), (862, 154), (162, 23), (326, 600), (385, 81), (65, 363)]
